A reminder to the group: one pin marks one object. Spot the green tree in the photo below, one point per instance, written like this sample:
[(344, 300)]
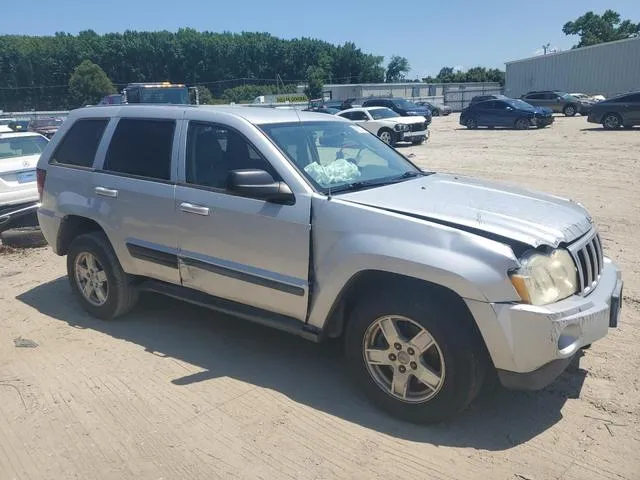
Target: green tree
[(397, 68), (246, 93), (316, 78), (475, 74), (593, 28), (205, 97), (88, 84)]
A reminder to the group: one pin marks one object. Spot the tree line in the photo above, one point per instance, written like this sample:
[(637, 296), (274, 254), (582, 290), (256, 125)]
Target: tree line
[(35, 71)]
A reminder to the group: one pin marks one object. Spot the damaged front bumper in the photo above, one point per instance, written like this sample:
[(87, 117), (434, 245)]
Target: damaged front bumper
[(544, 339)]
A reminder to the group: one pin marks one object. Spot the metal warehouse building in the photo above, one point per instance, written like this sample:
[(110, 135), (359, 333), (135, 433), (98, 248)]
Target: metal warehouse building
[(607, 69), (456, 95)]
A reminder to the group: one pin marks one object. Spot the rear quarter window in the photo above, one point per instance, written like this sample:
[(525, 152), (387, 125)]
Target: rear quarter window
[(79, 146)]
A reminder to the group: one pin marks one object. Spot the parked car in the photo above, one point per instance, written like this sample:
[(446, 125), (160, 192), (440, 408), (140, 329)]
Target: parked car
[(340, 104), (482, 98), (402, 107), (4, 124), (559, 102), (19, 153), (584, 96), (46, 126), (390, 127), (329, 110), (19, 125), (616, 112), (319, 229), (511, 113), (436, 109), (114, 99)]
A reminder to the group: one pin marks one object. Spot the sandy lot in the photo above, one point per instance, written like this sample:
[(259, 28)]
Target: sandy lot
[(176, 392)]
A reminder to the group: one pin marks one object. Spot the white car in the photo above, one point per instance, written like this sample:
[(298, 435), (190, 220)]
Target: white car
[(19, 153), (388, 125), (584, 96)]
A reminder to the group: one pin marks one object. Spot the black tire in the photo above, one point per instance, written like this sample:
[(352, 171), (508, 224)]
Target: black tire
[(465, 363), (522, 124), (435, 112), (570, 110), (386, 133), (122, 293), (25, 237), (611, 121), (471, 123)]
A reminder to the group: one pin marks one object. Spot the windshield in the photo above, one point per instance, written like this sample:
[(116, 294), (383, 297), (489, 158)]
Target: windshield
[(21, 146), (339, 156), (378, 113), (176, 95), (406, 104), (517, 103)]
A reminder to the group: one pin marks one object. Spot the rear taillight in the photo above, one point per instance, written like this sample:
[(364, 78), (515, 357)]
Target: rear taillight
[(41, 176)]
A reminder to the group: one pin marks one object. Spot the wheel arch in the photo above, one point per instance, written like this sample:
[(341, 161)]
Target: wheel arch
[(367, 280), (71, 227)]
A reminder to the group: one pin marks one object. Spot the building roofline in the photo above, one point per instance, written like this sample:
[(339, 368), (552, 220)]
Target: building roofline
[(403, 84), (564, 52)]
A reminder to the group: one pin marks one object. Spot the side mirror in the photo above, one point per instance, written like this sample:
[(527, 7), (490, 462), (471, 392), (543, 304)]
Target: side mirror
[(260, 185)]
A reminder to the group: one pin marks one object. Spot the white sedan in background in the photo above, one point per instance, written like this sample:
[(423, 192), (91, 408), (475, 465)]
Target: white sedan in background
[(19, 199), (390, 127)]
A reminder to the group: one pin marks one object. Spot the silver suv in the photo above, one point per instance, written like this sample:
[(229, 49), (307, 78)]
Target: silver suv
[(312, 225)]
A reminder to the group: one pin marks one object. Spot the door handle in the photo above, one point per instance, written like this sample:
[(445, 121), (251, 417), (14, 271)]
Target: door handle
[(195, 209), (106, 192)]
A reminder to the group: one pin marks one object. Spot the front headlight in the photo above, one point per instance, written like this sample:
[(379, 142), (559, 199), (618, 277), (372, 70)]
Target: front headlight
[(545, 278), (399, 127)]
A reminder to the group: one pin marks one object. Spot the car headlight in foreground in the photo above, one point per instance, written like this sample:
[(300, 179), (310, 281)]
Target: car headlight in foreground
[(545, 278), (401, 127)]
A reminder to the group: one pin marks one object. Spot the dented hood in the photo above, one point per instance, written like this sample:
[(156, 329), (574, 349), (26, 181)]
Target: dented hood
[(482, 207)]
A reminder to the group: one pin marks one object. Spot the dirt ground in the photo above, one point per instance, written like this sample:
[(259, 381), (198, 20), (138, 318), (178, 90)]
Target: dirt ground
[(176, 392)]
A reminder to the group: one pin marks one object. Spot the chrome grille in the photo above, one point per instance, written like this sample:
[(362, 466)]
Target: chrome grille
[(587, 255)]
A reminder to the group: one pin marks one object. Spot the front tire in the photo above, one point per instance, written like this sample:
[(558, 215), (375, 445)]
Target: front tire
[(97, 279), (386, 136), (522, 124), (570, 110), (414, 355), (435, 113), (472, 123)]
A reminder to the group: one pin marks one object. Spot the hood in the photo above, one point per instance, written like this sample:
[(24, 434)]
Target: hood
[(543, 111), (486, 208)]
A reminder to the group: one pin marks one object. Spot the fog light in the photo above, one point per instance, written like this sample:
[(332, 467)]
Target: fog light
[(569, 338)]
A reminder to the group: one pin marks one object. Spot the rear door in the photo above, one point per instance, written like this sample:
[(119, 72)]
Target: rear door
[(630, 105), (242, 249), (133, 190)]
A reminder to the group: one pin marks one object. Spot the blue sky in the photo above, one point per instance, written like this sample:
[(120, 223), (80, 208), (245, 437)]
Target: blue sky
[(455, 33)]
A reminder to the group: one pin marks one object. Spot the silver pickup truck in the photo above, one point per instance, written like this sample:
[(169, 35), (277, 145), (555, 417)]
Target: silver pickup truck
[(310, 224)]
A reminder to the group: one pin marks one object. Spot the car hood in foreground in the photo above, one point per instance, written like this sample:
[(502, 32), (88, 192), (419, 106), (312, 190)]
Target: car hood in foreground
[(486, 208)]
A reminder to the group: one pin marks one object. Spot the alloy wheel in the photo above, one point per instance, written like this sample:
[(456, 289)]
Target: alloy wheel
[(403, 359), (91, 279)]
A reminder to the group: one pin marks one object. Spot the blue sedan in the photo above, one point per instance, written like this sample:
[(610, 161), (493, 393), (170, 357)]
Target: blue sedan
[(510, 113)]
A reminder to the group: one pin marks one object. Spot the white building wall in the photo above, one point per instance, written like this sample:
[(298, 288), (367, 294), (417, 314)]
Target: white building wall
[(607, 69)]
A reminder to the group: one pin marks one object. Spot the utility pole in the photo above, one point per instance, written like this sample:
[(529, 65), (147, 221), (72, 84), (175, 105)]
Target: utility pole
[(546, 47)]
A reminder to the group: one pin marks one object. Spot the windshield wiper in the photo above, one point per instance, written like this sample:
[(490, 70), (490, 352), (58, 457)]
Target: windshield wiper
[(377, 183)]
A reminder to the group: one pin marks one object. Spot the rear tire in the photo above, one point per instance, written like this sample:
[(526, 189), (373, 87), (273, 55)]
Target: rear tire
[(611, 121), (471, 123), (570, 110), (97, 279), (389, 371)]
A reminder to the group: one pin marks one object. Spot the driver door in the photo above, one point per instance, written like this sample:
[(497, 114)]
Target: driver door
[(242, 249)]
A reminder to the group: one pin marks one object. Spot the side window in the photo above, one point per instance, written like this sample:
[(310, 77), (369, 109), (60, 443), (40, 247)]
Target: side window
[(214, 150), (348, 115), (535, 96), (488, 105), (141, 147), (551, 96), (80, 144), (360, 116)]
